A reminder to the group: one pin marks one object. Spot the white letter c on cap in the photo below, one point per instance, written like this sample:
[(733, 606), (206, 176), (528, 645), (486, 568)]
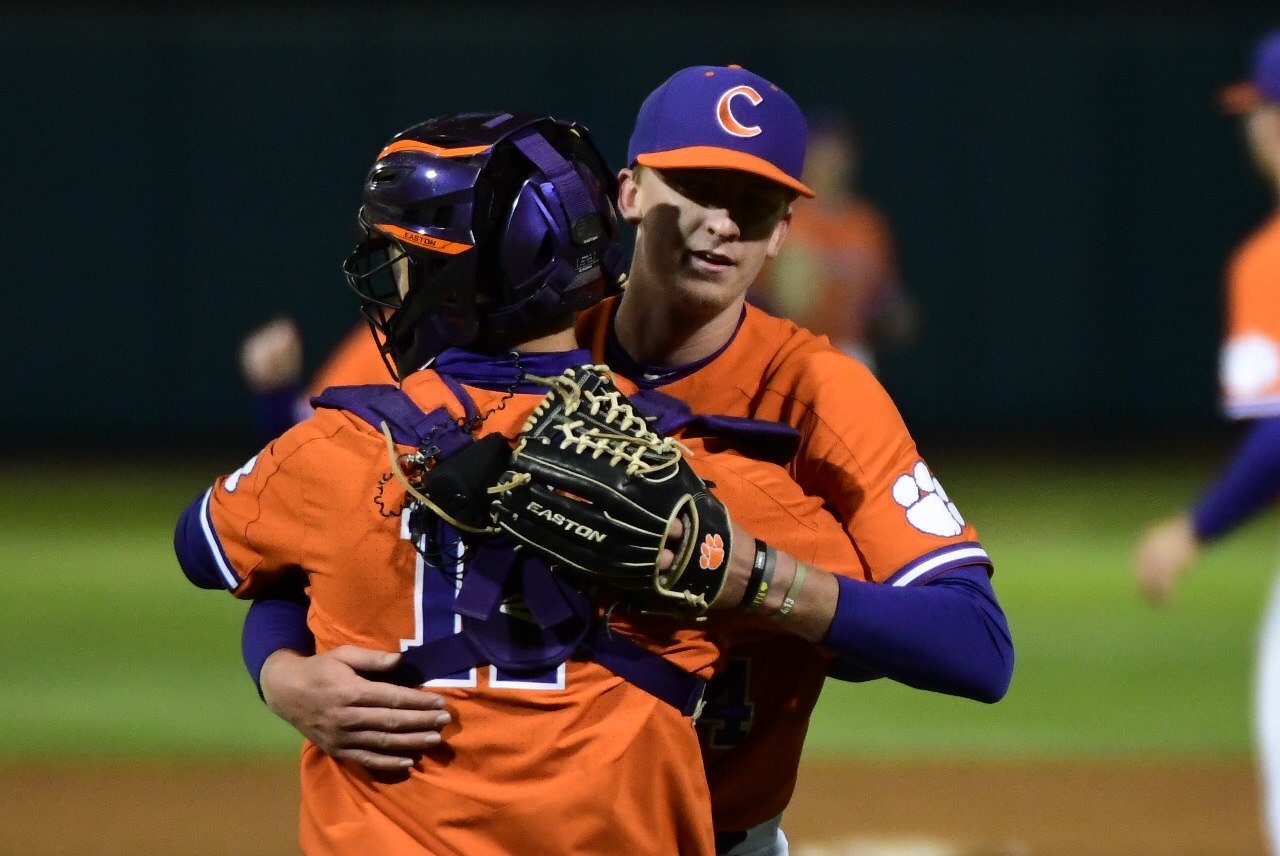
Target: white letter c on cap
[(724, 113)]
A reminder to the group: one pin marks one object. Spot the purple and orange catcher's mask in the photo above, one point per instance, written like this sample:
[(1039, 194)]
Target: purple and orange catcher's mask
[(482, 222)]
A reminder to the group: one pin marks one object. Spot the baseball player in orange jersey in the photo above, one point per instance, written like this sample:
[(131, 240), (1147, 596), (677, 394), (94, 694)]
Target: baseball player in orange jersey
[(682, 326), (596, 764), (1250, 381), (695, 193), (610, 764)]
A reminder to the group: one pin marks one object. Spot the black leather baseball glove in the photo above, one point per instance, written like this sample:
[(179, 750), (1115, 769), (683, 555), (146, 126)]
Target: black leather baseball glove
[(595, 490)]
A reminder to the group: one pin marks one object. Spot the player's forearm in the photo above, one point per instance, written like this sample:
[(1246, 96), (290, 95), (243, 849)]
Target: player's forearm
[(949, 635), (772, 584), (273, 624), (801, 597), (1249, 483)]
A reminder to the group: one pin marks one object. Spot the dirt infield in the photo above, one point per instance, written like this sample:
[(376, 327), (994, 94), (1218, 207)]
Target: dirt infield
[(1166, 808)]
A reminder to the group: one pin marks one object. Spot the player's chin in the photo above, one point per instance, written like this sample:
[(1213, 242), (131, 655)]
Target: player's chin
[(710, 292)]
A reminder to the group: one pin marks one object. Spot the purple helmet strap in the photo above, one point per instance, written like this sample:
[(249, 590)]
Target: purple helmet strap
[(568, 184)]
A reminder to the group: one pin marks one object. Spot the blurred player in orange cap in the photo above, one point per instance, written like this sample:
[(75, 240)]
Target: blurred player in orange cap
[(837, 274), (1250, 388)]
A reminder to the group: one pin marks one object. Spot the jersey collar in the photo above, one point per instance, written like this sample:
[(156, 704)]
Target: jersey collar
[(506, 372), (652, 377)]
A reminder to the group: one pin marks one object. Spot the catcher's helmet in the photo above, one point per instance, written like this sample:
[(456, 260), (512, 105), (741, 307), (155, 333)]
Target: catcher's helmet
[(482, 222)]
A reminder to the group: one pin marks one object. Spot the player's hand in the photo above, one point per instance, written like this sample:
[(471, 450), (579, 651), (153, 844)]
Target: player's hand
[(378, 725), (1165, 552), (271, 356)]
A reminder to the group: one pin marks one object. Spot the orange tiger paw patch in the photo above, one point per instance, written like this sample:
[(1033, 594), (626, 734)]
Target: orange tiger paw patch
[(711, 552)]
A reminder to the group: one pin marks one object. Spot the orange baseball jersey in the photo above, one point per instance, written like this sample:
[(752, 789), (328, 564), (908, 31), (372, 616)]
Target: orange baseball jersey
[(603, 767), (757, 709), (857, 459), (574, 761), (1249, 370)]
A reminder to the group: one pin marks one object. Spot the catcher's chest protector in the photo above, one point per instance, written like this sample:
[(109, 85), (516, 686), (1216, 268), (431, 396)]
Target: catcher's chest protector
[(515, 614)]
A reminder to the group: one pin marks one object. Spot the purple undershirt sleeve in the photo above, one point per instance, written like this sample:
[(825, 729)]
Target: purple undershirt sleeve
[(274, 621), (948, 635), (962, 646), (1250, 482), (275, 412)]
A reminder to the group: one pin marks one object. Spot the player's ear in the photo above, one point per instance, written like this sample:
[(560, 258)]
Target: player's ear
[(628, 193), (779, 235)]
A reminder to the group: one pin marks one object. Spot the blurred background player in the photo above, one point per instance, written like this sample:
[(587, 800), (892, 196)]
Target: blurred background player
[(271, 364), (701, 197), (837, 275), (1250, 381)]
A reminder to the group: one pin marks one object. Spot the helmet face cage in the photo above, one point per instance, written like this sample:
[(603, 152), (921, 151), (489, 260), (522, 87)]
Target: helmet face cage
[(492, 221), (370, 271)]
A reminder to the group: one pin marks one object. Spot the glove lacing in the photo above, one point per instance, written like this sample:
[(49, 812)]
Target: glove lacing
[(631, 439)]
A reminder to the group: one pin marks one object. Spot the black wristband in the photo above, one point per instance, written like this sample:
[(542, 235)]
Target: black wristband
[(766, 579), (757, 573)]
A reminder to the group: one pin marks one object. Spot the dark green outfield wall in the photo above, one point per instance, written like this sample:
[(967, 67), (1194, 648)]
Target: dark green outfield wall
[(1063, 191)]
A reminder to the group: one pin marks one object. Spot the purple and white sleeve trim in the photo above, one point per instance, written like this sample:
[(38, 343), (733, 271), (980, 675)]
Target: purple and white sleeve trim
[(215, 546), (198, 549), (939, 561), (1257, 408)]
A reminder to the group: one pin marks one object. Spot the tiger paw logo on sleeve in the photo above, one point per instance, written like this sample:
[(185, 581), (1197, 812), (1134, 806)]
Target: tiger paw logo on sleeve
[(928, 507), (711, 553)]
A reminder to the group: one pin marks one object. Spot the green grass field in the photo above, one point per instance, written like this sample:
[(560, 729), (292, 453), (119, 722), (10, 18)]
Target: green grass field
[(106, 650), (1099, 672)]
